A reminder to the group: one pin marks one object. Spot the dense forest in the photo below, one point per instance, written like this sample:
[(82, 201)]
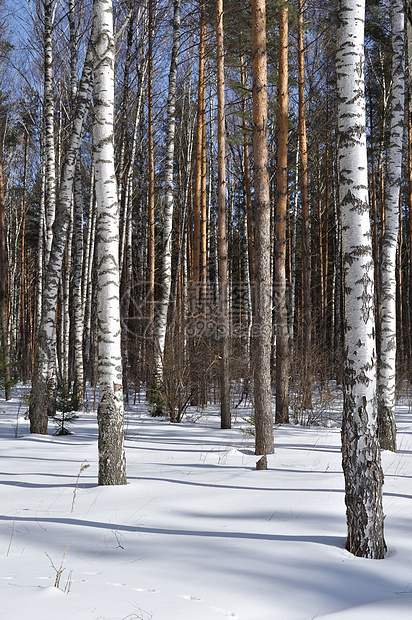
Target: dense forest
[(210, 200)]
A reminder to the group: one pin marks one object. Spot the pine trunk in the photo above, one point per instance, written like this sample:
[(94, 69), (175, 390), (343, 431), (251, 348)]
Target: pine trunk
[(197, 198), (282, 335), (262, 320), (306, 262)]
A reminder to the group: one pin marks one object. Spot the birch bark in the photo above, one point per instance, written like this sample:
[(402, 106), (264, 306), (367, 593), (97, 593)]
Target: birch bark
[(408, 33), (47, 329), (360, 446), (151, 266), (128, 228), (112, 462), (162, 306), (387, 375), (225, 416), (50, 194), (88, 279), (4, 273), (78, 314), (40, 244), (65, 320), (50, 154)]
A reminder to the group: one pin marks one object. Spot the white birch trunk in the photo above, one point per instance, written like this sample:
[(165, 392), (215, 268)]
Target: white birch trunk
[(73, 49), (127, 288), (408, 18), (126, 251), (40, 244), (223, 308), (246, 293), (293, 227), (112, 462), (77, 293), (162, 307), (46, 336), (88, 281), (65, 331), (387, 375), (128, 182), (50, 155), (360, 446), (122, 184)]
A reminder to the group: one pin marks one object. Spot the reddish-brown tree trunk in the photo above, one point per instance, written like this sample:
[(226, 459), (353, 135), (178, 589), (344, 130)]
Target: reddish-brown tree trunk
[(200, 172), (282, 335), (262, 319), (306, 267)]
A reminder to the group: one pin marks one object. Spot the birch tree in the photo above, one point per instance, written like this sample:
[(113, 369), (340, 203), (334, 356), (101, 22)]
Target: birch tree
[(151, 266), (50, 155), (50, 179), (77, 293), (45, 339), (4, 271), (162, 306), (360, 446), (387, 362), (112, 462), (225, 417)]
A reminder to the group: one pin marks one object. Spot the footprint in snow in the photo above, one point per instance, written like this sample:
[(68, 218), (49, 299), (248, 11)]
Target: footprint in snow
[(146, 590), (224, 612), (117, 585), (189, 597)]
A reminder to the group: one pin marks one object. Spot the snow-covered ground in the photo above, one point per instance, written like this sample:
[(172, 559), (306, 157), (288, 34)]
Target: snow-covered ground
[(198, 533)]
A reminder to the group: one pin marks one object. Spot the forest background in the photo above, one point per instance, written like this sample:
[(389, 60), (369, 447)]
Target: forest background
[(184, 335)]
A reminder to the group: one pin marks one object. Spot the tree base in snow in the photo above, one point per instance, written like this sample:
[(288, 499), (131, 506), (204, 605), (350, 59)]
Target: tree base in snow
[(262, 463)]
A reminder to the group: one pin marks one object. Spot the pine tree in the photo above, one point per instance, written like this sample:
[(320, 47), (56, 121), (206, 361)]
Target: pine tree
[(262, 320), (282, 334)]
